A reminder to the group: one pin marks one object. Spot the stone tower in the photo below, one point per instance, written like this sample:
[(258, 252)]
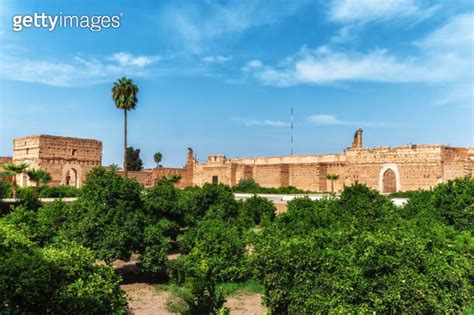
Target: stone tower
[(67, 159), (357, 142)]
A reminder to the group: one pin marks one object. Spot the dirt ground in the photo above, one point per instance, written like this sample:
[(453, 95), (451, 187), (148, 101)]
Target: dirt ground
[(245, 304), (144, 299)]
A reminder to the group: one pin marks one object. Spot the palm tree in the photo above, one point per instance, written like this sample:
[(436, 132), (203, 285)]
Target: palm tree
[(39, 177), (124, 94), (158, 157), (12, 169), (332, 178)]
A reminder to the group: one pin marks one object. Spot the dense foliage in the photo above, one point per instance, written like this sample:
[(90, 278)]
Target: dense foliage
[(5, 190), (61, 191), (54, 279), (360, 254), (357, 253), (134, 162), (252, 187), (108, 216)]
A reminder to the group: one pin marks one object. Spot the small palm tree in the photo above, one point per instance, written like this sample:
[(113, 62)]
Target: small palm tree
[(12, 169), (158, 157), (39, 176), (332, 178), (114, 167), (124, 94)]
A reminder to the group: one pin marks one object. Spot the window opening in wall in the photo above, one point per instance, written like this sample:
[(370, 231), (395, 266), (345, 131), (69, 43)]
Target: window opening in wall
[(215, 179)]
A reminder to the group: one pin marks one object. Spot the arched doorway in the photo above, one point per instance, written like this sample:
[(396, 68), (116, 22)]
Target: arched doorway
[(389, 182), (389, 179), (71, 178)]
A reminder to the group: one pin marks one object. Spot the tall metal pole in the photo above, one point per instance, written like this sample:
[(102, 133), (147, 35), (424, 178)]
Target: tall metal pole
[(292, 130)]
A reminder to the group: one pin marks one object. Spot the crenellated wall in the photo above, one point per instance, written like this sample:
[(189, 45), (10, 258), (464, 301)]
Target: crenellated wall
[(387, 169)]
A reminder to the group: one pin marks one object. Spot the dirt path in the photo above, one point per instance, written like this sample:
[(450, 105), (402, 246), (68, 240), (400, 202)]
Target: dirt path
[(143, 299), (245, 304)]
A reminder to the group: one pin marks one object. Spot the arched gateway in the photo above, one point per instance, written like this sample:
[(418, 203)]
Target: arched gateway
[(71, 176), (389, 179)]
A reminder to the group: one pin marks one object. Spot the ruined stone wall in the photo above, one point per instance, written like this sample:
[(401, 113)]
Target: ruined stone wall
[(4, 160), (415, 167), (67, 159), (144, 177), (149, 177), (297, 159), (305, 176), (386, 169), (204, 174), (456, 162), (272, 175)]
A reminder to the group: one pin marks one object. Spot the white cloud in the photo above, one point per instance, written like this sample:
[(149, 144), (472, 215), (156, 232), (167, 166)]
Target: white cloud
[(361, 11), (440, 59), (77, 71), (196, 27), (125, 59), (252, 65), (459, 94), (325, 120), (216, 59), (456, 34), (264, 122)]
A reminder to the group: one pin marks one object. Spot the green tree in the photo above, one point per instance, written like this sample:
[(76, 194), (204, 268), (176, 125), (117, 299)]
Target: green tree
[(39, 176), (247, 186), (332, 178), (198, 200), (157, 157), (218, 245), (11, 169), (255, 211), (349, 255), (124, 94), (108, 216), (454, 202), (60, 279), (134, 162)]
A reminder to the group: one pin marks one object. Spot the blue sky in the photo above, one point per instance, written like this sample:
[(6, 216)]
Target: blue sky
[(222, 76)]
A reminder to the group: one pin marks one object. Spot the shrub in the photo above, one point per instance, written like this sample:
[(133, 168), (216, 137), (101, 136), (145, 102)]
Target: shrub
[(250, 186), (255, 211), (50, 221), (161, 201), (5, 190), (28, 198), (454, 202), (58, 191), (356, 255), (219, 246), (365, 208), (108, 216), (23, 219), (197, 201), (246, 186), (156, 248), (58, 280)]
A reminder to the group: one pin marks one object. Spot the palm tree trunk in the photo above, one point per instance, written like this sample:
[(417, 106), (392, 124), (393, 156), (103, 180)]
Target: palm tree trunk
[(125, 144), (14, 187), (332, 186), (37, 189)]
